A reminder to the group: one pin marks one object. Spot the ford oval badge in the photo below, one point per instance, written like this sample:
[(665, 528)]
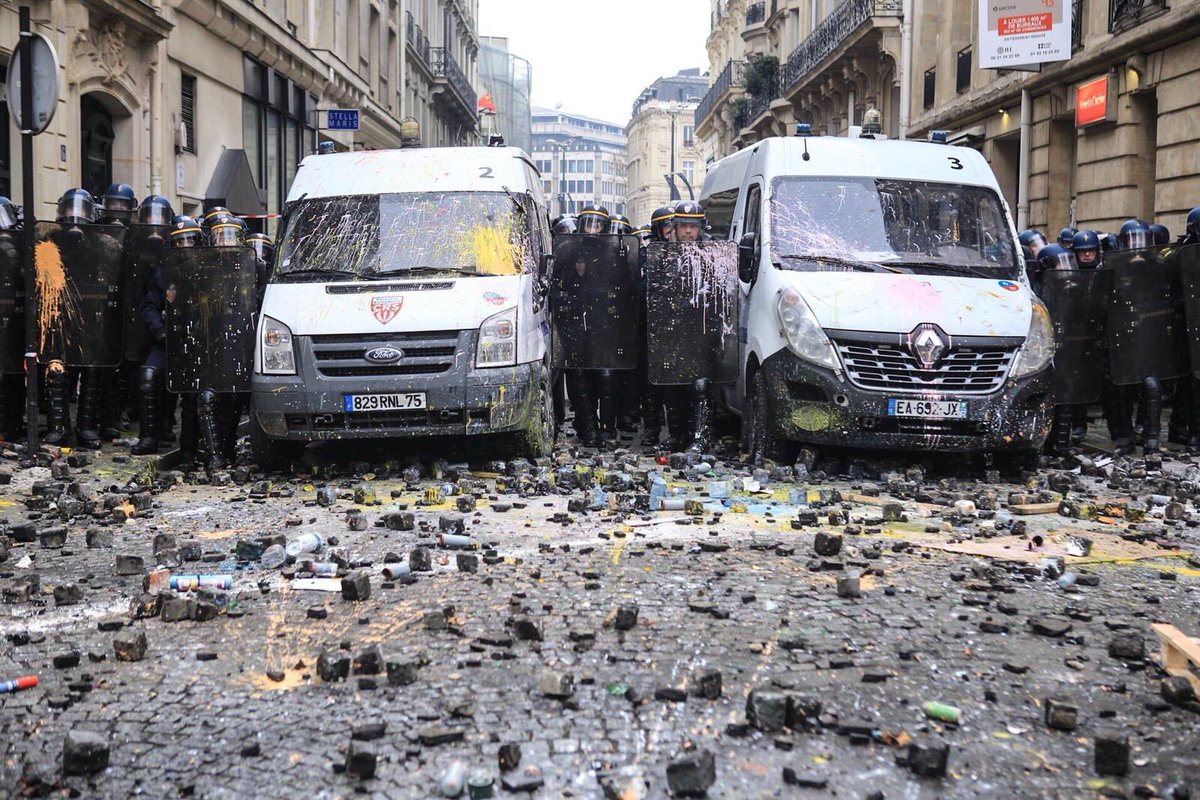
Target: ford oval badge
[(383, 355)]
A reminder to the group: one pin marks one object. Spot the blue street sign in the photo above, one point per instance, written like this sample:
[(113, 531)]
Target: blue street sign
[(342, 119)]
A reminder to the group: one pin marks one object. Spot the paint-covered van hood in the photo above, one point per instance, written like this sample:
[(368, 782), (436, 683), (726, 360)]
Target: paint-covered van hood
[(429, 304), (888, 303)]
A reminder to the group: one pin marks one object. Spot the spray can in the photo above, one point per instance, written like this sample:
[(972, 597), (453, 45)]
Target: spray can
[(304, 543), (393, 571), (942, 712), (453, 541), (25, 682), (190, 583), (322, 569)]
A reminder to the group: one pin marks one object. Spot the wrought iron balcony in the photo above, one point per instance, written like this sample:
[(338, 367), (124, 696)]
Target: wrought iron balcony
[(756, 13), (831, 33), (446, 68), (417, 40), (733, 75), (754, 107), (1124, 14)]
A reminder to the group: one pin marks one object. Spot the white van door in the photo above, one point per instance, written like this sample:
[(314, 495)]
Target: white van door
[(751, 222)]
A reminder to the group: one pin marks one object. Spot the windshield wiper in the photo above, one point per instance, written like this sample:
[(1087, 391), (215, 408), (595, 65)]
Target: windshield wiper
[(421, 270), (857, 266), (333, 273), (958, 269)]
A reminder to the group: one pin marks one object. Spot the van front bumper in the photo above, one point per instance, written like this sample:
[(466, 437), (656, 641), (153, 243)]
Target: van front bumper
[(813, 405), (463, 400)]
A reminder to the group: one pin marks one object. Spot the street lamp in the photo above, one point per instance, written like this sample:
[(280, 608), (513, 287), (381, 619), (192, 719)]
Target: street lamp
[(558, 146)]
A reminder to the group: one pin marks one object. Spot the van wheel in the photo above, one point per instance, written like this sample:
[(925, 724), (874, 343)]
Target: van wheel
[(760, 426), (272, 455), (536, 440)]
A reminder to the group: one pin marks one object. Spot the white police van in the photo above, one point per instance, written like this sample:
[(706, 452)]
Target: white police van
[(408, 298), (883, 299)]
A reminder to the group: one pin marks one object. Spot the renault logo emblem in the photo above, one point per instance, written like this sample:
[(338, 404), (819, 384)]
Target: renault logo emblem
[(928, 343)]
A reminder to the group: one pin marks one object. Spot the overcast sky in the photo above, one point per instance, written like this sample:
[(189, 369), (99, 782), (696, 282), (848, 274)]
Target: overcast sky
[(596, 58)]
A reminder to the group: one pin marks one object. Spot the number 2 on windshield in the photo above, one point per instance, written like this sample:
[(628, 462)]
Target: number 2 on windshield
[(486, 172), (954, 162)]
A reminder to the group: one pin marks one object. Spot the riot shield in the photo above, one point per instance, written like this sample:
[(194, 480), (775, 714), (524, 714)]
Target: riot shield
[(594, 298), (210, 318), (691, 312), (144, 246), (80, 286), (1078, 303), (1147, 330), (12, 304), (1189, 274)]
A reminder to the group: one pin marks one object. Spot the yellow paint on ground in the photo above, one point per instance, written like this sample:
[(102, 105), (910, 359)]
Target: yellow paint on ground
[(292, 679), (618, 546)]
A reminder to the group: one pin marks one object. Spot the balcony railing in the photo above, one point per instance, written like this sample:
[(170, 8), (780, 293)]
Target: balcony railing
[(417, 40), (444, 66), (1124, 14), (756, 13), (831, 33), (733, 75), (1077, 24), (754, 107)]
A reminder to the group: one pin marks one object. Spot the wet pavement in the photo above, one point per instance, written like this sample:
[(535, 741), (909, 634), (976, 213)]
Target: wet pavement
[(871, 628)]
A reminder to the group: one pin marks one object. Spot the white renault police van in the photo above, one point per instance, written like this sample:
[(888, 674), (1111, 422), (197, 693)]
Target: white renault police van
[(883, 300), (408, 298)]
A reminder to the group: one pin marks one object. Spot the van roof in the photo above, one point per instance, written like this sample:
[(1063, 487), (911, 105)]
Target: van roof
[(416, 169), (832, 156)]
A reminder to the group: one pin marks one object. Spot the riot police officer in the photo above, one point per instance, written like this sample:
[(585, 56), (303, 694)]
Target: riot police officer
[(1191, 232), (619, 225), (1034, 240), (583, 388), (118, 207), (690, 222), (219, 412), (1056, 257), (1066, 237), (12, 380), (662, 225), (1160, 235), (593, 219), (1086, 246), (563, 224), (1135, 235)]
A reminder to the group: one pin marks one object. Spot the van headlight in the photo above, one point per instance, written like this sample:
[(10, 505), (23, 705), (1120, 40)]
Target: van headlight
[(1038, 349), (498, 340), (278, 358), (804, 334)]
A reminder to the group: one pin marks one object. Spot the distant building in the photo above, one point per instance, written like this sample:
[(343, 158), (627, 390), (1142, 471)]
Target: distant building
[(506, 81), (590, 156), (662, 142)]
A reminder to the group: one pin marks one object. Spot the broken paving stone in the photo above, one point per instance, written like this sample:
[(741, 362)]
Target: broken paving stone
[(556, 685), (129, 564), (467, 562), (434, 735), (827, 544), (360, 760), (368, 731), (401, 671), (368, 662), (1061, 716), (892, 512), (767, 709), (849, 587), (420, 560), (626, 616), (333, 666), (1178, 691), (527, 780), (356, 586), (67, 594), (1049, 626), (527, 630), (928, 759), (805, 780), (1130, 646), (509, 757), (1111, 754), (707, 684), (84, 753), (130, 646), (692, 775)]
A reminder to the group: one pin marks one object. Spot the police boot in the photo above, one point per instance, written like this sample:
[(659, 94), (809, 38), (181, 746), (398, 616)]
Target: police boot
[(87, 414), (652, 404), (1059, 442), (1179, 429), (1152, 403), (110, 404), (210, 430), (606, 383), (1118, 414), (630, 401), (679, 417), (166, 419), (1079, 424), (228, 416), (149, 389), (583, 403), (57, 415), (189, 431), (701, 414)]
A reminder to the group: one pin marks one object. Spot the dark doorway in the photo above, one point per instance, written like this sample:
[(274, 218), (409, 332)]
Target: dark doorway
[(96, 135)]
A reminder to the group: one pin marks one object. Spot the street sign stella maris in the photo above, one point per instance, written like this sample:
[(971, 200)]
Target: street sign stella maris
[(341, 119)]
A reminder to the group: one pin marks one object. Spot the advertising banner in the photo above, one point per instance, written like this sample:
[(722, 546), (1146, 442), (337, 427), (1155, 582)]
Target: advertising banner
[(1017, 33)]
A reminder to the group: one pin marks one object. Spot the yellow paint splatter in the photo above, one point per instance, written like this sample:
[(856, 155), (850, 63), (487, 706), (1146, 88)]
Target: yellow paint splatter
[(54, 301), (494, 250)]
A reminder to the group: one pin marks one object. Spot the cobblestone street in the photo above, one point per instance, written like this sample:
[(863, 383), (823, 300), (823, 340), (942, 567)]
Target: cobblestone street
[(581, 647)]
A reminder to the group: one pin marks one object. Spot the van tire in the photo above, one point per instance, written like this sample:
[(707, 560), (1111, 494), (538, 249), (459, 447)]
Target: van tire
[(536, 439), (760, 426), (272, 455)]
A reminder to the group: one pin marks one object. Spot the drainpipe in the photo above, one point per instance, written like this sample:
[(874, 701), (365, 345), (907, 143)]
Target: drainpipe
[(156, 104), (403, 55), (1023, 169), (850, 111), (906, 41)]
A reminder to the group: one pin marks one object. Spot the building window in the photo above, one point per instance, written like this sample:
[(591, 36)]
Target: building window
[(930, 83), (963, 78), (278, 129), (187, 112), (590, 187), (689, 135), (689, 171)]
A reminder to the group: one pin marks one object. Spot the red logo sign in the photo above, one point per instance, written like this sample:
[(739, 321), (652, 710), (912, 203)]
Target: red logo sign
[(386, 308), (1091, 101)]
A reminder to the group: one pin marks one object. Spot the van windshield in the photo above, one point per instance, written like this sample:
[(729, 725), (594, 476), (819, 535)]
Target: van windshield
[(885, 225), (365, 237)]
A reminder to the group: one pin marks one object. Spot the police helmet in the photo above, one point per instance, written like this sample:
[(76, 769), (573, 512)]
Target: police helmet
[(1160, 234), (660, 221), (564, 223), (10, 217), (1086, 246), (689, 221), (76, 207), (1134, 235), (1032, 239), (1193, 222), (1109, 242), (1066, 236), (643, 233), (593, 219), (119, 197), (262, 245), (619, 225), (1055, 256), (226, 230), (210, 214), (155, 210), (185, 232)]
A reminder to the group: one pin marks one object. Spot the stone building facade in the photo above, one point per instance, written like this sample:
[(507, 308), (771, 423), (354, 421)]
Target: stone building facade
[(218, 100), (662, 141)]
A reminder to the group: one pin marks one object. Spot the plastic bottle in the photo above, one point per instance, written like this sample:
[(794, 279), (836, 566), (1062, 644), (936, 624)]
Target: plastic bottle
[(942, 712), (658, 489), (454, 779), (304, 543), (1067, 580), (273, 557)]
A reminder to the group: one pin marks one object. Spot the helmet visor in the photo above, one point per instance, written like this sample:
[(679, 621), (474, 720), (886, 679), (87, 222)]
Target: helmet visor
[(591, 223), (76, 208), (225, 235), (8, 217), (154, 214), (1136, 240), (1063, 260)]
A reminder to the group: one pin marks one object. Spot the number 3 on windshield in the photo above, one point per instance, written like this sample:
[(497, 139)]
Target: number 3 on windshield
[(954, 162)]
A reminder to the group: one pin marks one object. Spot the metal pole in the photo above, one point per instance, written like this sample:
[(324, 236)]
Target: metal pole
[(1023, 165), (906, 66), (27, 199)]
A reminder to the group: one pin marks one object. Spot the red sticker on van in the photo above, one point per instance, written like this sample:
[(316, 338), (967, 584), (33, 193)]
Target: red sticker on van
[(386, 308)]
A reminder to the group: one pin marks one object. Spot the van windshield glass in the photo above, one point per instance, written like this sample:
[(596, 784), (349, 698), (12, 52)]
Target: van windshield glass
[(885, 225), (368, 237)]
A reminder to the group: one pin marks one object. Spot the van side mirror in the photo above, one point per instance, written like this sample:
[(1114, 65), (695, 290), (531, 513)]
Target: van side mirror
[(546, 265), (748, 258)]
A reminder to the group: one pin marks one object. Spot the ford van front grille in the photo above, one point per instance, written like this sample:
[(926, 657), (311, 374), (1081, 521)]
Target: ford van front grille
[(887, 367), (422, 353)]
